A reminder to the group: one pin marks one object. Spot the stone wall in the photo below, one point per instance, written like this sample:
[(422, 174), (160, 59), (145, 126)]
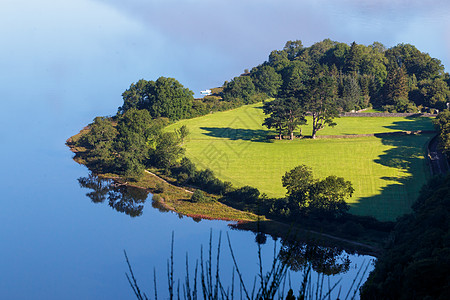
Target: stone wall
[(363, 114)]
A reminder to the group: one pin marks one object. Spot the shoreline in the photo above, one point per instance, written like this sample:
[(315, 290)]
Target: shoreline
[(177, 199)]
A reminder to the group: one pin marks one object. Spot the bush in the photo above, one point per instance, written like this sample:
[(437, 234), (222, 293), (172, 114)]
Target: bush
[(245, 194), (182, 178), (199, 197), (159, 188)]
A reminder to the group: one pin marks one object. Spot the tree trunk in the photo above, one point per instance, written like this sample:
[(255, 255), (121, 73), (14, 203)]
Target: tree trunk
[(292, 135), (314, 127)]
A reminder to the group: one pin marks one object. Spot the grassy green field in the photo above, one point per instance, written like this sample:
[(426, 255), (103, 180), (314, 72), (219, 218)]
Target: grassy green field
[(387, 171)]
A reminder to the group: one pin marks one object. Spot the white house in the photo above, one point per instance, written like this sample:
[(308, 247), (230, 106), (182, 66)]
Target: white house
[(205, 92)]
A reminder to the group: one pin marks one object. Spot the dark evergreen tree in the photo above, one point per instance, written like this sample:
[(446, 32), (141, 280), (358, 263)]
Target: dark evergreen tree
[(285, 115), (396, 86), (319, 99), (354, 58)]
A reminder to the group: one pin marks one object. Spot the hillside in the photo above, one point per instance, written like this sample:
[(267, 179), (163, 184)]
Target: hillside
[(387, 171)]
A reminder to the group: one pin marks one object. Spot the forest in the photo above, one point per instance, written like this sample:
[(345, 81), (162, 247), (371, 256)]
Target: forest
[(322, 80)]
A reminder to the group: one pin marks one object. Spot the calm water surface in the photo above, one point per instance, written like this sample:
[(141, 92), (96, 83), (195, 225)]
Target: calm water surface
[(64, 62), (58, 244)]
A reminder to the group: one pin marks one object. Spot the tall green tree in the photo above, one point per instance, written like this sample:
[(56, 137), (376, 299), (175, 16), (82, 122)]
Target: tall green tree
[(319, 100), (240, 89), (293, 49), (354, 58), (327, 196), (299, 179), (336, 56), (167, 151), (266, 80), (285, 115), (101, 130), (294, 77), (278, 60), (165, 97), (99, 142), (135, 128), (276, 117), (315, 53), (170, 99), (135, 96), (324, 198), (442, 124), (373, 63), (415, 62), (396, 86), (433, 93), (350, 93)]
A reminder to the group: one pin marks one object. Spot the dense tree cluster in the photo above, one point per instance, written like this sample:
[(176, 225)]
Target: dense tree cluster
[(322, 80), (416, 262), (130, 144), (331, 77), (442, 123), (165, 97), (309, 196)]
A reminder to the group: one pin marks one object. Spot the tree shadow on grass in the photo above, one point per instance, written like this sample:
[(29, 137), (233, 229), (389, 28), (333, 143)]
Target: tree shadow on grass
[(416, 123), (238, 134), (407, 154)]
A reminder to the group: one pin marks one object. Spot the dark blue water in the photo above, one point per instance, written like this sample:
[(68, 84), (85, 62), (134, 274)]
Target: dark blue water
[(64, 62)]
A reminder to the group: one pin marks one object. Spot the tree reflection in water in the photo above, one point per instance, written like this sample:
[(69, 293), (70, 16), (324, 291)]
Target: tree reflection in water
[(324, 260), (298, 256), (122, 198)]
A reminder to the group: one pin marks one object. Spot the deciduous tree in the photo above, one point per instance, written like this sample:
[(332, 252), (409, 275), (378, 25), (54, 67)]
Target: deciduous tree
[(266, 80), (165, 97), (319, 100), (240, 89)]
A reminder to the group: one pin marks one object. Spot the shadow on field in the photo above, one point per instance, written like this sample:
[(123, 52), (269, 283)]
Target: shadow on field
[(407, 153), (417, 123), (238, 134)]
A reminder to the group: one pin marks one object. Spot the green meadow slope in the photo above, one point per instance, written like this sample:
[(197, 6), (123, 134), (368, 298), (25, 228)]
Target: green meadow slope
[(386, 171)]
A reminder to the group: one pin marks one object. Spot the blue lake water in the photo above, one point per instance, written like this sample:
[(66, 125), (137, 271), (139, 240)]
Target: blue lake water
[(64, 62)]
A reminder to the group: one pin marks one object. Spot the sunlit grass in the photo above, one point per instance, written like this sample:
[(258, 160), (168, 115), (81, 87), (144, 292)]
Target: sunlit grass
[(177, 199), (386, 172)]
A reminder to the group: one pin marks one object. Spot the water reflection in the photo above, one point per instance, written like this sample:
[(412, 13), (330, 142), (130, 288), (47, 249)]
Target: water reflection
[(300, 255), (297, 255), (324, 260), (122, 198)]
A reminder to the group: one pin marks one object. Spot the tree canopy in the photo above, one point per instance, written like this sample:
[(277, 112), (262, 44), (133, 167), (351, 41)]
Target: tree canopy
[(136, 142), (165, 97), (285, 115), (309, 196), (416, 261)]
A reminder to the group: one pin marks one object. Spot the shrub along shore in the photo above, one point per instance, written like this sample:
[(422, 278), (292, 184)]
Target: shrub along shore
[(241, 206)]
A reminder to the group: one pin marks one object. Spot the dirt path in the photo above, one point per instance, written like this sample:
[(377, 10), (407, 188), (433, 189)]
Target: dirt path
[(438, 161), (188, 191)]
